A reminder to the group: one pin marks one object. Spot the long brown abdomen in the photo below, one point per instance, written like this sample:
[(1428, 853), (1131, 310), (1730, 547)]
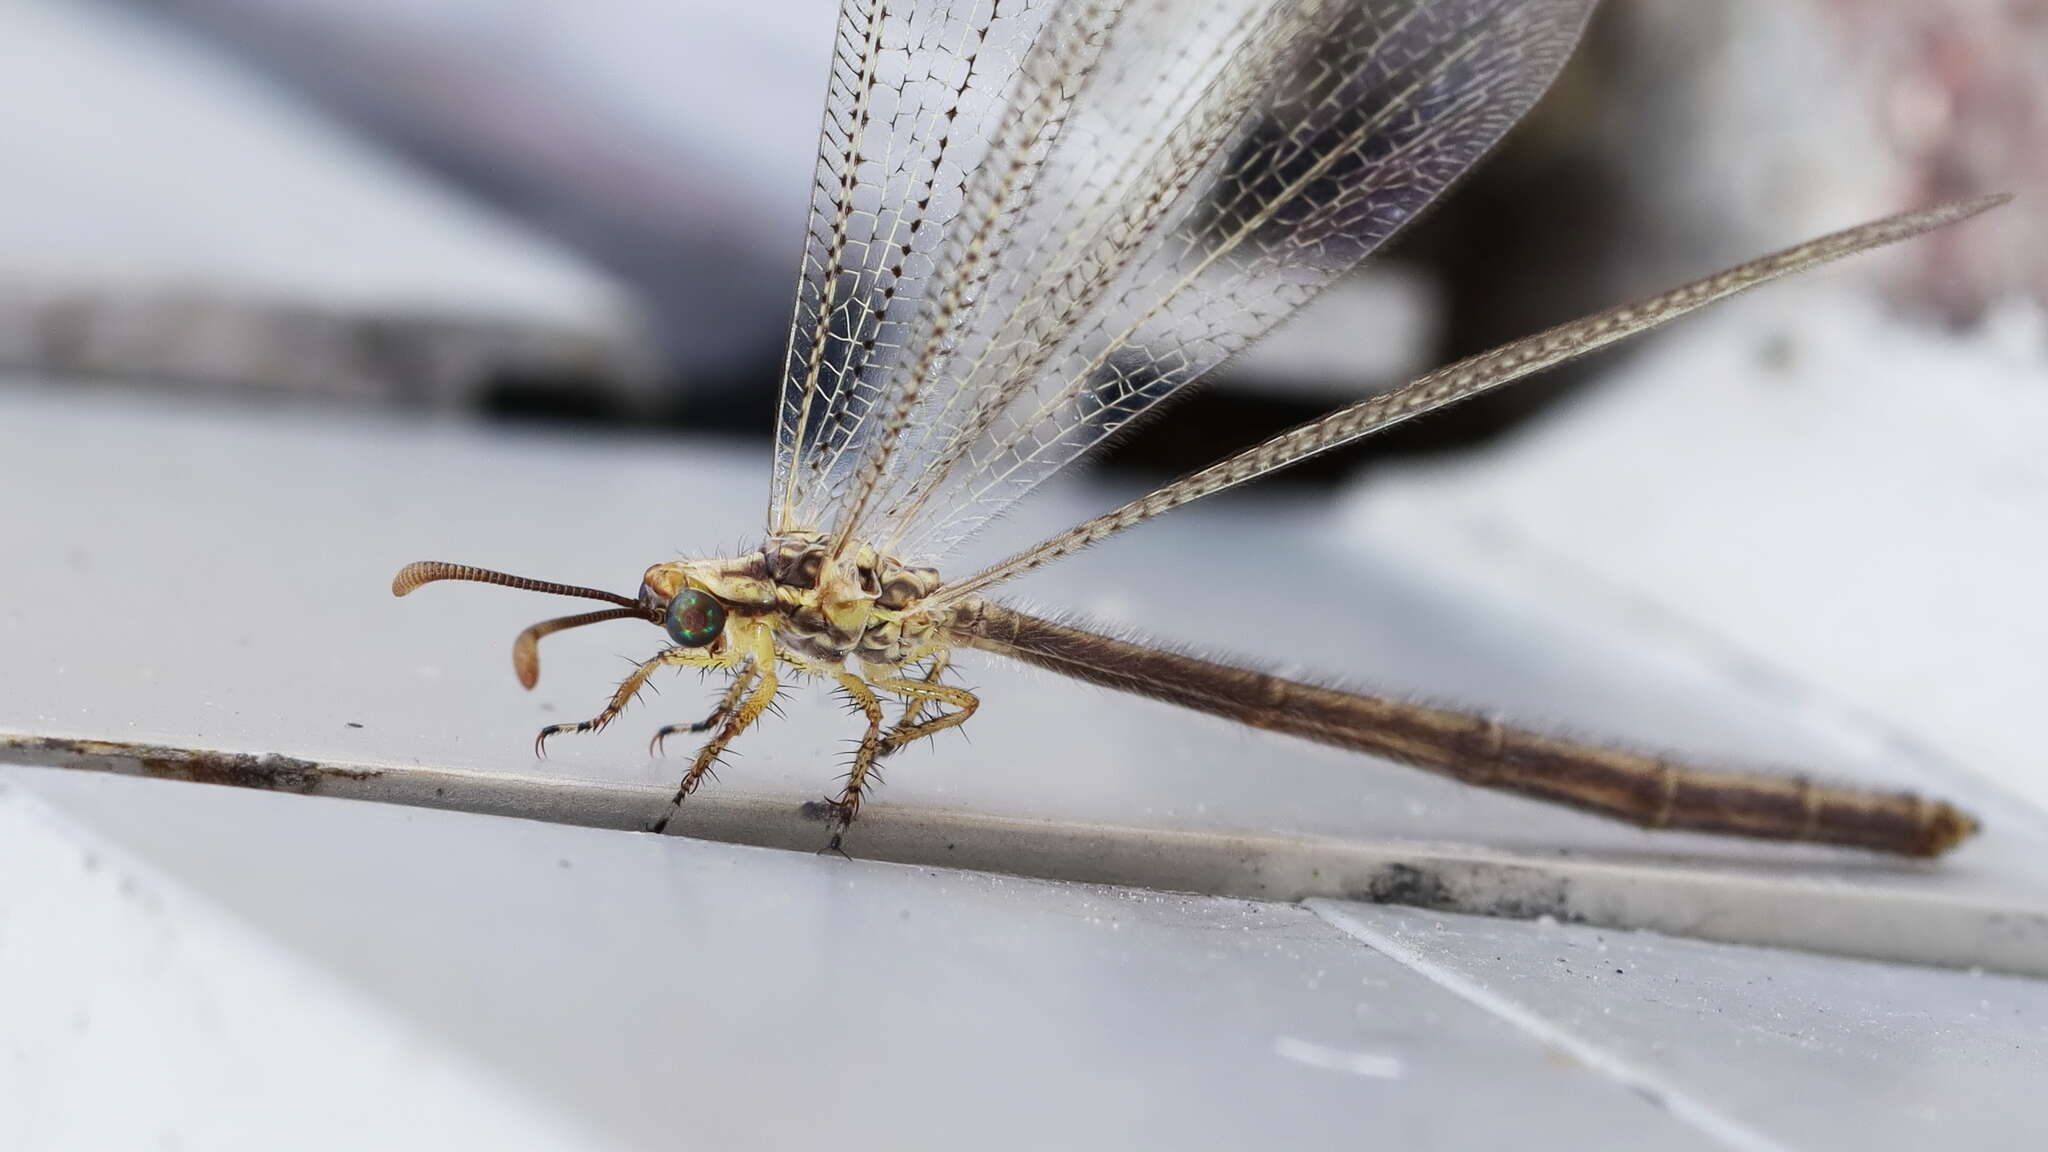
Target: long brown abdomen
[(1651, 791)]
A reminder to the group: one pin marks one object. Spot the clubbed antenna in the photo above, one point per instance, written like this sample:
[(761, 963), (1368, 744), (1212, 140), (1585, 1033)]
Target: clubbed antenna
[(526, 646), (427, 571)]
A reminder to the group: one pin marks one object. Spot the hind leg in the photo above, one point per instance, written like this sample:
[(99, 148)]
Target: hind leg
[(874, 744), (923, 693), (913, 711)]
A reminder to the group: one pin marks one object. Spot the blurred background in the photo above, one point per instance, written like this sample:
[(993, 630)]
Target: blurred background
[(590, 212)]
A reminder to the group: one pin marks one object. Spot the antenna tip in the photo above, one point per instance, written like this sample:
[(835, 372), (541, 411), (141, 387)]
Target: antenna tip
[(526, 659), (409, 577)]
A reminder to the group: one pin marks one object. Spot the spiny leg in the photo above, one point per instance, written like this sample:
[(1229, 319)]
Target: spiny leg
[(629, 688), (733, 692), (761, 671), (736, 722), (914, 710), (928, 690), (847, 806), (873, 744)]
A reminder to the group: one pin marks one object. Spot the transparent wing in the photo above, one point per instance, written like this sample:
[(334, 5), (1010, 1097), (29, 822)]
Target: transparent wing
[(915, 94), (1163, 182), (1468, 377)]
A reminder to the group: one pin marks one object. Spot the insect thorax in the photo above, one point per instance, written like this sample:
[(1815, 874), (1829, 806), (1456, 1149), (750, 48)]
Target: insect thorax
[(865, 609)]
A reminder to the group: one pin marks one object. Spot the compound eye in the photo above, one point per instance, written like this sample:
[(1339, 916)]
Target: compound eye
[(695, 618)]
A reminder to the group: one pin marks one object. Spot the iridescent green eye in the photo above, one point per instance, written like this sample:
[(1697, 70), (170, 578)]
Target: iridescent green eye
[(695, 617)]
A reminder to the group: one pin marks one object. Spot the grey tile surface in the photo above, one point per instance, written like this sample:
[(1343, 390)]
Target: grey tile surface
[(663, 992), (1768, 1048), (140, 1015)]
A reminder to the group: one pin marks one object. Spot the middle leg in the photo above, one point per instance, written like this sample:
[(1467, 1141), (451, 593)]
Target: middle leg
[(726, 703)]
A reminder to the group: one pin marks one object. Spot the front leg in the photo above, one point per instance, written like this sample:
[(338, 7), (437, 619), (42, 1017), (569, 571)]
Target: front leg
[(630, 687)]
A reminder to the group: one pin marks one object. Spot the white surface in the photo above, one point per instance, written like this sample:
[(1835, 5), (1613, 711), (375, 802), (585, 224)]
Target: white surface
[(665, 992), (237, 965), (1765, 1050), (139, 1016)]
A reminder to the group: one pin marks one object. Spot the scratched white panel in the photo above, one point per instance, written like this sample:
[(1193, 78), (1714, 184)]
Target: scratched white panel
[(1767, 1050), (139, 1016)]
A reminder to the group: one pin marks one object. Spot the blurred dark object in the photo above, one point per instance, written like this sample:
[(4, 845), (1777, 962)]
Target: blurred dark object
[(249, 346), (170, 220), (671, 143)]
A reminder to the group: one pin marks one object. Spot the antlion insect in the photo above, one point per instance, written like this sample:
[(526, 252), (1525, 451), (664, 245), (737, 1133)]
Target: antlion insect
[(1032, 222)]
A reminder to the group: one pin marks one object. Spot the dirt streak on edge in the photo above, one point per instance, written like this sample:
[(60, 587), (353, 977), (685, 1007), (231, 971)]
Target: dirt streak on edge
[(269, 771)]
